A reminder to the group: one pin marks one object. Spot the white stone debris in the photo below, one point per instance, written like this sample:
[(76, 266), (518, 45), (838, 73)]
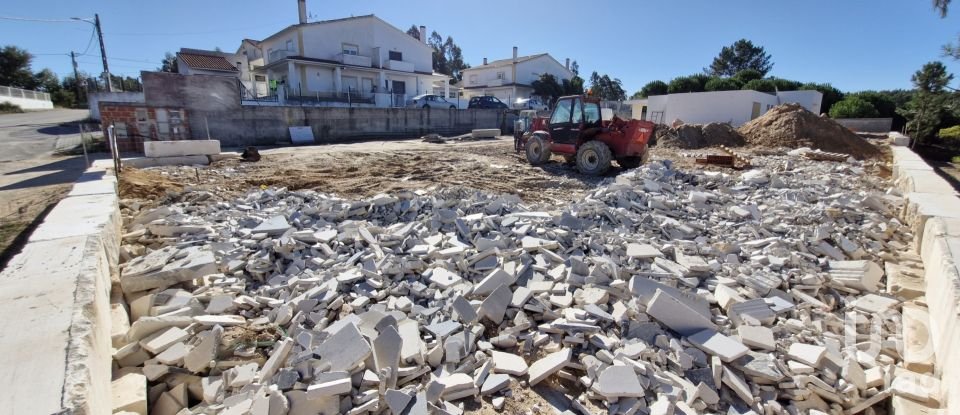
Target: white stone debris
[(660, 292)]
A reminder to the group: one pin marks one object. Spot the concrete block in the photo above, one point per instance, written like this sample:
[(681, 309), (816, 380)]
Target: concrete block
[(918, 354), (676, 314), (548, 365), (130, 394), (144, 162), (618, 382), (485, 133), (197, 263), (508, 363), (860, 275), (119, 325), (181, 148), (809, 354), (758, 337), (717, 344)]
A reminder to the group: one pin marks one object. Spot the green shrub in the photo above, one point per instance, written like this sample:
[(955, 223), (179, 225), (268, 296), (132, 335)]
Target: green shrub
[(853, 107), (955, 160), (8, 108), (747, 75), (786, 84), (722, 84), (683, 84), (950, 134), (701, 79), (761, 85), (654, 88)]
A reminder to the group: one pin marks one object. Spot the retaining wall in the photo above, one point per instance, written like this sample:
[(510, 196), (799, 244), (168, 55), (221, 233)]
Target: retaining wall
[(55, 306), (932, 210), (866, 125)]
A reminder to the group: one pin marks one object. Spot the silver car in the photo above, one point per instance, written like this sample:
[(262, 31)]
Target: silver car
[(431, 101)]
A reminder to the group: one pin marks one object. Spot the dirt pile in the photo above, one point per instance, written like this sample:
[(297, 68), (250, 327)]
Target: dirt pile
[(690, 136), (145, 184), (792, 126)]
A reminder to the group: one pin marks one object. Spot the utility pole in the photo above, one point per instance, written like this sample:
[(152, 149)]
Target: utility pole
[(76, 77), (103, 52)]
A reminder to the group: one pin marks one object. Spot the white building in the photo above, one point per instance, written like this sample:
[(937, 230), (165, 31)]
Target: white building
[(359, 60), (733, 107), (512, 78)]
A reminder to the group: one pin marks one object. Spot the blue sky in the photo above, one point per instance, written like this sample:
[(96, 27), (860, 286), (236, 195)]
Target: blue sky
[(853, 44)]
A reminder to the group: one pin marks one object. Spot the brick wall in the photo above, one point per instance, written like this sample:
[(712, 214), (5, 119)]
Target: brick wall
[(135, 123)]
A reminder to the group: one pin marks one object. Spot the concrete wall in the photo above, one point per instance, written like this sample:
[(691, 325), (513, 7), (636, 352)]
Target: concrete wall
[(93, 100), (932, 210), (866, 125), (733, 107), (270, 125), (55, 306), (191, 92), (26, 99)]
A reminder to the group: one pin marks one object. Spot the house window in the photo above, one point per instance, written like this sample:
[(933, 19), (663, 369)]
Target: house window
[(260, 78), (349, 49), (501, 75), (399, 87), (396, 56), (290, 45), (473, 79)]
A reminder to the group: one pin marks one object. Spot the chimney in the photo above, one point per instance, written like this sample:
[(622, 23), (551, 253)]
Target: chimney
[(514, 54), (484, 61), (423, 34), (302, 6), (568, 64)]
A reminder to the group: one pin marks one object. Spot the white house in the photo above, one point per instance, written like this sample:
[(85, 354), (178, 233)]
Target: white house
[(733, 107), (512, 78), (358, 60)]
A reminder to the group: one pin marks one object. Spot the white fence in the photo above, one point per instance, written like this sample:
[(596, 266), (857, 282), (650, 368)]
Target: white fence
[(26, 99)]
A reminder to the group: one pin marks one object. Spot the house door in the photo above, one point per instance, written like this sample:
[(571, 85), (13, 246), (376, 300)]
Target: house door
[(366, 85), (350, 85), (399, 87), (756, 110)]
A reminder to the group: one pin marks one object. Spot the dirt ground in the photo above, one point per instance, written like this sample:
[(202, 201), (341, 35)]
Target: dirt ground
[(365, 169)]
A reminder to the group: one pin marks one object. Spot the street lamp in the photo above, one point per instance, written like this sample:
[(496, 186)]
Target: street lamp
[(103, 51)]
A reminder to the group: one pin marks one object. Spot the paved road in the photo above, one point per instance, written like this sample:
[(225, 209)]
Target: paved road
[(34, 134)]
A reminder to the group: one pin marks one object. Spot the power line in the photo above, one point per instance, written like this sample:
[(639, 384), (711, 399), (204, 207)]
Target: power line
[(93, 33), (29, 19)]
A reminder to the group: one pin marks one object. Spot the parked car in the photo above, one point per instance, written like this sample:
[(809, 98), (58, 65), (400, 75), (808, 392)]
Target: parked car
[(487, 102), (531, 103), (432, 101)]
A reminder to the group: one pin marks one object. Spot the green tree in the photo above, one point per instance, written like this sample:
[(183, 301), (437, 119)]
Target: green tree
[(930, 103), (742, 54), (853, 107), (548, 88), (760, 85), (15, 68), (657, 87), (46, 80), (785, 84), (169, 63), (573, 86), (683, 84), (604, 87), (747, 75), (721, 84), (414, 31), (831, 95), (575, 68), (447, 57)]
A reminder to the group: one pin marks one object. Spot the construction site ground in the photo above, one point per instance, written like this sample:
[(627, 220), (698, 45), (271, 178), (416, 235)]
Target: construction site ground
[(364, 169)]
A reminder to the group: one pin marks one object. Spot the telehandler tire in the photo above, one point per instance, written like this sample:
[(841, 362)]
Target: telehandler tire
[(537, 149), (594, 158)]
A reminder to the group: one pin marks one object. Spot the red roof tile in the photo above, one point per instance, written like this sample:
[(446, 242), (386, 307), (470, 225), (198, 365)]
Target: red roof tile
[(208, 62)]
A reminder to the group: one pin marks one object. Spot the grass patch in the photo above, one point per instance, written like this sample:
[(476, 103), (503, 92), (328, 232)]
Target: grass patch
[(955, 159), (8, 108)]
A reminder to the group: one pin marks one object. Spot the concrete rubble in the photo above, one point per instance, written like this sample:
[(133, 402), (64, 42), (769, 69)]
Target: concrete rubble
[(662, 292)]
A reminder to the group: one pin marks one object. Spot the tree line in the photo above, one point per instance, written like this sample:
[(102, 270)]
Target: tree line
[(16, 70)]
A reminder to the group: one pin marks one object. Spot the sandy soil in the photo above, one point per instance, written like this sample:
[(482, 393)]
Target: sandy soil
[(365, 169)]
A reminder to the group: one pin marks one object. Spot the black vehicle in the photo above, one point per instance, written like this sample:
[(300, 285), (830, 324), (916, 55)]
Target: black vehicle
[(486, 102)]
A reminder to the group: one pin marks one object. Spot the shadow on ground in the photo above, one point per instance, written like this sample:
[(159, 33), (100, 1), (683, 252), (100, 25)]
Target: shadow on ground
[(944, 169), (61, 171)]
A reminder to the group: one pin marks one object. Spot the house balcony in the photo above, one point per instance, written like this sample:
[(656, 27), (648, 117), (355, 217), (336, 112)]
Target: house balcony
[(495, 82), (277, 55), (402, 66), (355, 60)]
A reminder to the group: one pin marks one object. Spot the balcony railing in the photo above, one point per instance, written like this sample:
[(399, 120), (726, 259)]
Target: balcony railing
[(278, 55), (402, 66), (355, 60)]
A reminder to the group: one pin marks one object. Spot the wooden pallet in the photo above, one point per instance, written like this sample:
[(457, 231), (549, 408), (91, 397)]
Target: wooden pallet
[(737, 157), (826, 156)]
